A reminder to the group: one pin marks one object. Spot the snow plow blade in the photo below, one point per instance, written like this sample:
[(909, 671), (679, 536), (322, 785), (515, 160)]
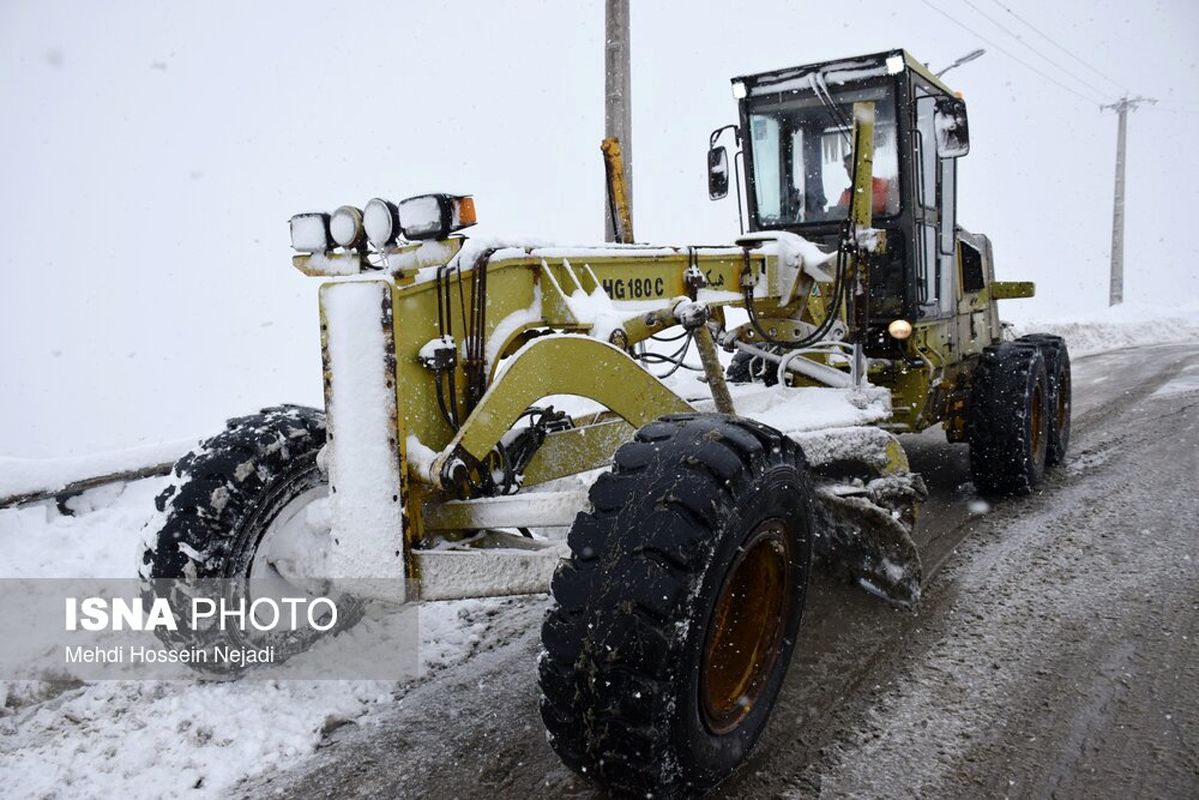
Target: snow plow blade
[(866, 501)]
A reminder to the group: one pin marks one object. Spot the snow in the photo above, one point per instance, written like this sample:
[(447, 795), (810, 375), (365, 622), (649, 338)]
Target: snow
[(1185, 381), (309, 233), (181, 737), (333, 264), (475, 246), (796, 80), (379, 222), (417, 256), (1127, 325), (362, 454), (345, 225), (429, 349), (420, 216), (595, 308), (420, 457), (160, 739), (167, 738), (100, 541), (510, 325), (809, 408)]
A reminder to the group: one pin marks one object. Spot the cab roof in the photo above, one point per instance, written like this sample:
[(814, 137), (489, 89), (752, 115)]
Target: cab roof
[(840, 70)]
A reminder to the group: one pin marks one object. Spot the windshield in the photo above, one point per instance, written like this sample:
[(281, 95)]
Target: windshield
[(801, 143)]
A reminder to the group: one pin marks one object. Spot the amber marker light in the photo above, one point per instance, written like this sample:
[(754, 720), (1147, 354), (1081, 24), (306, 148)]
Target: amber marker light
[(465, 212), (900, 329)]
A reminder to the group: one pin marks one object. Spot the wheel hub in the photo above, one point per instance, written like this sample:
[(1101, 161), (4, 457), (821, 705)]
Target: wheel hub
[(1037, 402), (1063, 405), (746, 631), (293, 551)]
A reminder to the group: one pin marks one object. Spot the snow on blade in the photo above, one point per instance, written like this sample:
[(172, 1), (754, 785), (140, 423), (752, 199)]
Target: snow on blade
[(24, 476)]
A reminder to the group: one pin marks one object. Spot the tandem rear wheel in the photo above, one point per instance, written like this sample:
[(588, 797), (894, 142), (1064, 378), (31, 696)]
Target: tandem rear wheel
[(1019, 418)]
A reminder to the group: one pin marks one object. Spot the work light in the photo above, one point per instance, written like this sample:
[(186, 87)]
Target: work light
[(381, 221), (345, 226), (310, 233), (435, 216)]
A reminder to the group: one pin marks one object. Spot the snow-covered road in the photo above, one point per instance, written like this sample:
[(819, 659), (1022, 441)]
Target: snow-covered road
[(1054, 650)]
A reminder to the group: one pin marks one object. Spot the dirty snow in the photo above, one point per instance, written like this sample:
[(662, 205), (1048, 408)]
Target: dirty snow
[(182, 736)]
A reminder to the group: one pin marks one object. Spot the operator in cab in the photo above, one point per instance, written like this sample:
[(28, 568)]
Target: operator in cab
[(880, 188)]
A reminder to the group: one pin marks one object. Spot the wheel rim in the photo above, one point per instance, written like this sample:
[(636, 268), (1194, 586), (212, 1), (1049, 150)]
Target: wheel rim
[(1063, 402), (1037, 419), (293, 550), (745, 634)]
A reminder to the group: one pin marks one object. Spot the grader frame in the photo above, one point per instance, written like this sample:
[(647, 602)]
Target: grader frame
[(435, 350), (600, 302)]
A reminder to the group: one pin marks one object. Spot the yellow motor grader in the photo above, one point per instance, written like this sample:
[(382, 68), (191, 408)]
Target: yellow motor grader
[(474, 389)]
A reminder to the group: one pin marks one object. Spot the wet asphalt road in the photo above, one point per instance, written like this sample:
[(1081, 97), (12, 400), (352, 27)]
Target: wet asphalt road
[(1054, 654)]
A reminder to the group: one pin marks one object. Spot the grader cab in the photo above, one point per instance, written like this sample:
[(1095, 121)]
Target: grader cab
[(475, 388)]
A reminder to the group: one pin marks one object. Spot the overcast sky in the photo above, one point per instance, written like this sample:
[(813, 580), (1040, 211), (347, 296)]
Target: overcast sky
[(151, 154)]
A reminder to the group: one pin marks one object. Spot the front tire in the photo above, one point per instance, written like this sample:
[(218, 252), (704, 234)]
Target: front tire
[(676, 614)]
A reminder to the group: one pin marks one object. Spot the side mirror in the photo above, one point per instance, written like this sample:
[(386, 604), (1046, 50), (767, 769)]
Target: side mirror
[(718, 173), (952, 128)]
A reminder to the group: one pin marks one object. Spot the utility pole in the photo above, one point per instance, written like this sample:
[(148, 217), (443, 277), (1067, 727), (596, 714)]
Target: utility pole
[(1116, 291), (618, 123)]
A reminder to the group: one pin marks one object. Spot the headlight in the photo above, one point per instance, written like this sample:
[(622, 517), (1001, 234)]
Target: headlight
[(345, 226), (900, 328), (435, 216), (381, 221), (310, 233)]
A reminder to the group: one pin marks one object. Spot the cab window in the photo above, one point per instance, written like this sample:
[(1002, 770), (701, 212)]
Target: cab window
[(801, 143)]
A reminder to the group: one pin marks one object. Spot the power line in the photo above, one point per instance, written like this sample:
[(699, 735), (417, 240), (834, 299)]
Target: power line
[(1013, 56), (1017, 37), (1053, 42), (1177, 110)]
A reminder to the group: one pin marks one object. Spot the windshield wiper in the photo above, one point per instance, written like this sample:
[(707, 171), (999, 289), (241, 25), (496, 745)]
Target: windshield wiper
[(840, 122)]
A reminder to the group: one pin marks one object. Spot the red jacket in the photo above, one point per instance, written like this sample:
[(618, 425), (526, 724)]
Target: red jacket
[(880, 188)]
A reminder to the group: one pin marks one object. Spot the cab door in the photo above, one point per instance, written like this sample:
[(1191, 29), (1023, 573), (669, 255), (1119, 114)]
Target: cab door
[(935, 214)]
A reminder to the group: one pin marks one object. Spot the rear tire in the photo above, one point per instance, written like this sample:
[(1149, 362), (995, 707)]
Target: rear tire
[(1008, 423), (676, 614), (1057, 365), (748, 368)]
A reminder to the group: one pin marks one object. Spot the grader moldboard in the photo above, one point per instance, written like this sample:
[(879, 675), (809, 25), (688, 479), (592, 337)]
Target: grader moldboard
[(677, 604)]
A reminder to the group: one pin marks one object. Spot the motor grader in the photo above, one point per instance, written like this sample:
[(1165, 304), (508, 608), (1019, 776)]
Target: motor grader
[(474, 388)]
